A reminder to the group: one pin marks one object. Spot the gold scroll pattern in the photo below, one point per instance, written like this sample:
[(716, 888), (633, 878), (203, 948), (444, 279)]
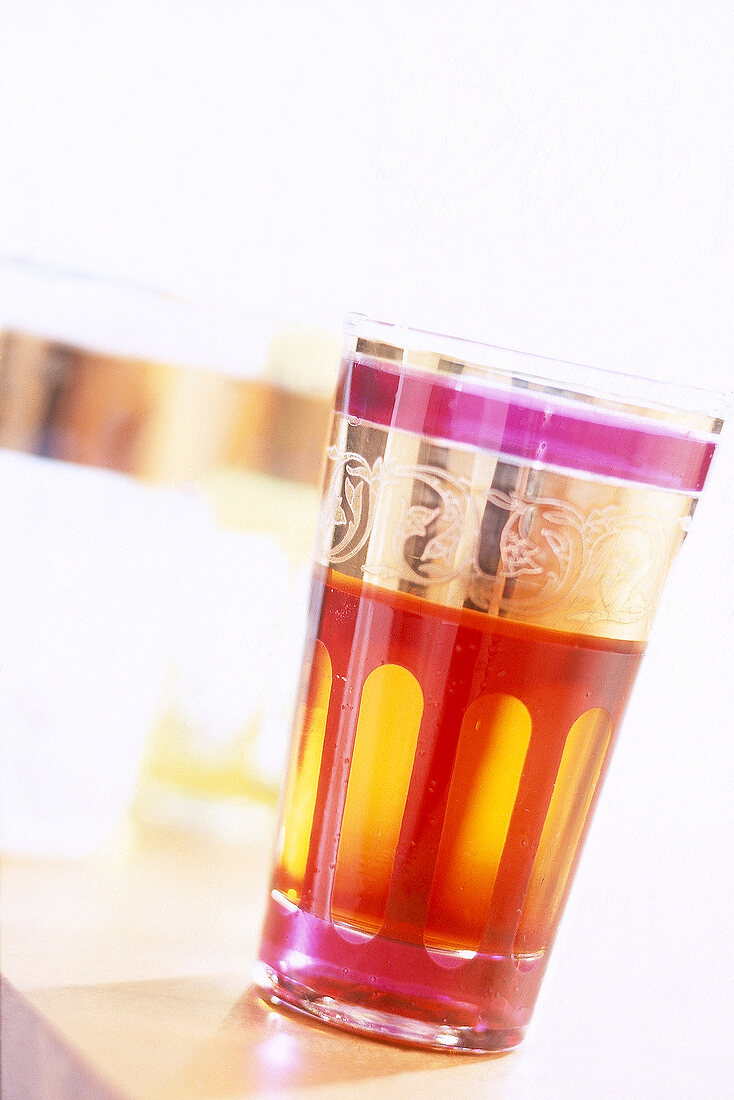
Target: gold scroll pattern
[(572, 554)]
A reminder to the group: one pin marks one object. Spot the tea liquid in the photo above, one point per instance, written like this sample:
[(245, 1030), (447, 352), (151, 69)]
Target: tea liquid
[(444, 769)]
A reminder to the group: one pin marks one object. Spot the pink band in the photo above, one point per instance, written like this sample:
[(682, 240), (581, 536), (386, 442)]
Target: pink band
[(524, 425)]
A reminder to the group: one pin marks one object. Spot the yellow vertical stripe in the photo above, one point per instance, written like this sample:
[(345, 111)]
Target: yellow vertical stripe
[(491, 752), (303, 774), (389, 719), (581, 764)]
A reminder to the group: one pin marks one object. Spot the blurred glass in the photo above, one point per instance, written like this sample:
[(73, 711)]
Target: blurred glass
[(159, 460)]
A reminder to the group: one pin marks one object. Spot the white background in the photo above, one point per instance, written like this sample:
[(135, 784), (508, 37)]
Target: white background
[(556, 177)]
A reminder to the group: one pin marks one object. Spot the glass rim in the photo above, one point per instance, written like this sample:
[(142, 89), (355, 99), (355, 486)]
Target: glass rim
[(599, 382)]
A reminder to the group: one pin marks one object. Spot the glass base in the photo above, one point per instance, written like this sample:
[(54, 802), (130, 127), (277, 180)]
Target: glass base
[(279, 990)]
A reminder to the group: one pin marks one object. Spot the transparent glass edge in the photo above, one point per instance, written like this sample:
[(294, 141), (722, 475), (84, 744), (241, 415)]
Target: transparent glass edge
[(590, 380)]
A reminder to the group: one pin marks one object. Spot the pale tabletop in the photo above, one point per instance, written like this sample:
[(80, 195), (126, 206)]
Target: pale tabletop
[(126, 975)]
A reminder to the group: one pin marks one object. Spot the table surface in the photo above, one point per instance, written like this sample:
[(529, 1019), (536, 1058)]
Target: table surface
[(126, 975)]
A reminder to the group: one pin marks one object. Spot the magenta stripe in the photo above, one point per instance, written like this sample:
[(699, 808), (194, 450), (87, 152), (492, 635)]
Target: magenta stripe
[(524, 425)]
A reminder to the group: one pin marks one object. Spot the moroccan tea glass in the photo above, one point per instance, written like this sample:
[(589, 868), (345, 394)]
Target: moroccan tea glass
[(495, 533)]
